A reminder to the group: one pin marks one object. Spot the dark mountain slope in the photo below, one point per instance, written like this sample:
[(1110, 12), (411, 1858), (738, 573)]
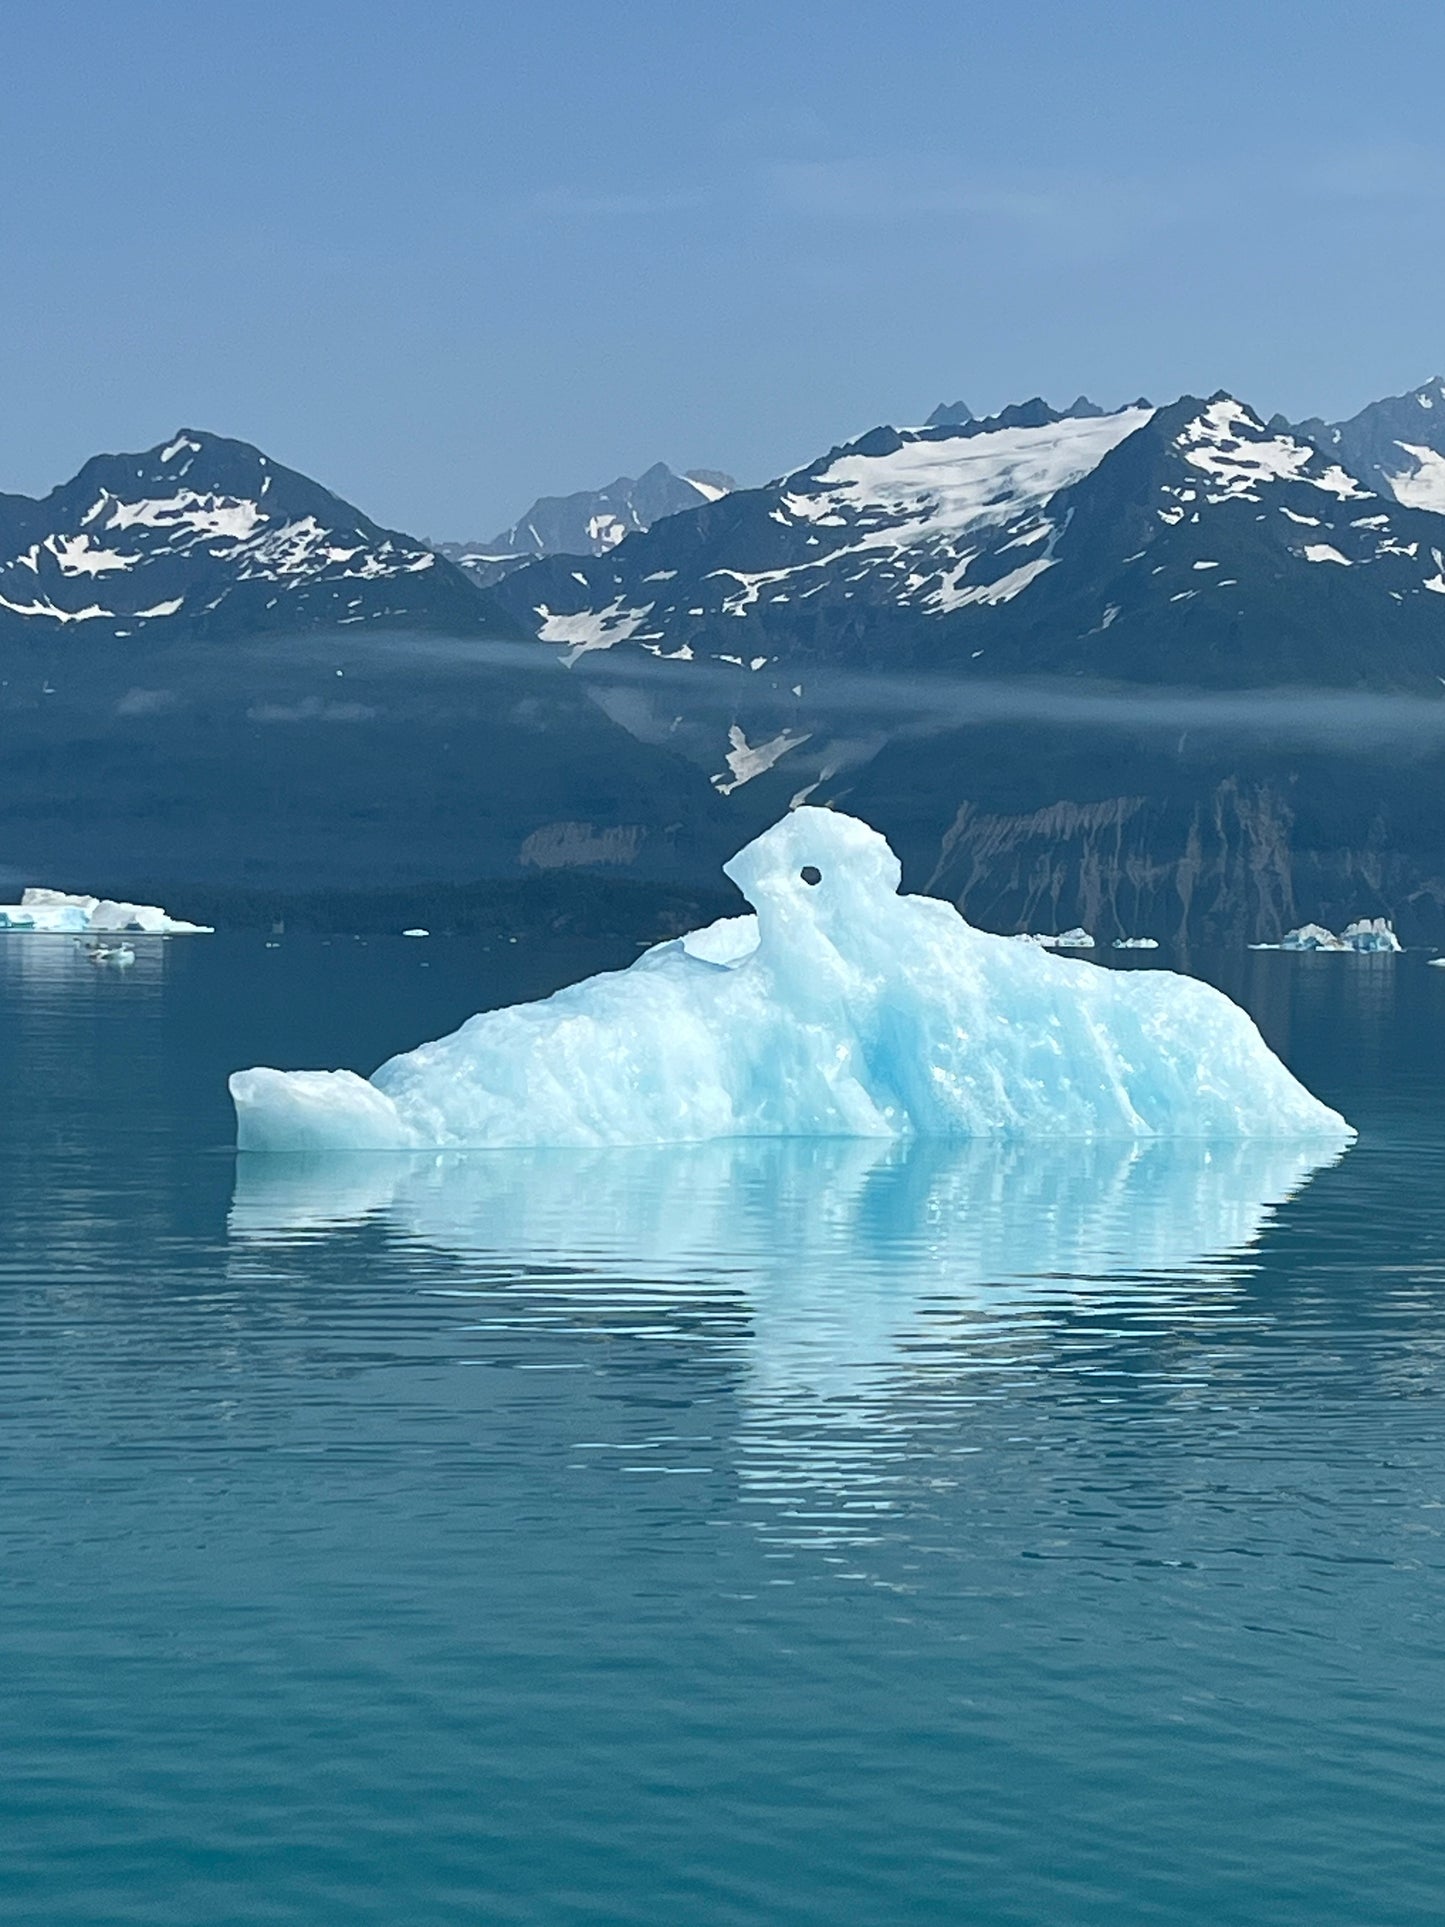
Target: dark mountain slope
[(1186, 544), (206, 537)]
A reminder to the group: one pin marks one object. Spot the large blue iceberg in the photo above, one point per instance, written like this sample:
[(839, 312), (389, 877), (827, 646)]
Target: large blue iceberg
[(840, 1009)]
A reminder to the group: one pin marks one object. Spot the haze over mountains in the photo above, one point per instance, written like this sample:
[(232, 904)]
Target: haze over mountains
[(841, 633)]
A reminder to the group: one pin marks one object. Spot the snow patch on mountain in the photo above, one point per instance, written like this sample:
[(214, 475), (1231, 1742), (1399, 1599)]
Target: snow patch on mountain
[(1421, 483), (591, 628), (1228, 445), (930, 486), (746, 760)]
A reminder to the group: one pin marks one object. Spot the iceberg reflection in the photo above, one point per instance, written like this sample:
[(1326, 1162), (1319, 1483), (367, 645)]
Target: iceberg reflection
[(839, 1250)]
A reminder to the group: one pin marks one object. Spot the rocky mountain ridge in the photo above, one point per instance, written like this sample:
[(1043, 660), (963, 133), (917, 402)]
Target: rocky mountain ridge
[(1186, 544), (205, 536)]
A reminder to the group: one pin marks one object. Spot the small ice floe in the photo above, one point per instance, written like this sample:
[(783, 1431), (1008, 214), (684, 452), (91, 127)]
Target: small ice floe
[(1136, 943), (58, 912), (416, 933), (1369, 936), (1076, 939)]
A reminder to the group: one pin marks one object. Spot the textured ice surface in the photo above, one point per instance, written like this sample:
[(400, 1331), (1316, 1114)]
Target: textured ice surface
[(1369, 935), (1372, 934), (857, 1013)]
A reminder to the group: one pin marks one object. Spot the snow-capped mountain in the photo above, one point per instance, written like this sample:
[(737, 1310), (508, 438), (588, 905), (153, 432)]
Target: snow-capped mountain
[(1395, 446), (203, 536), (1190, 543), (590, 522)]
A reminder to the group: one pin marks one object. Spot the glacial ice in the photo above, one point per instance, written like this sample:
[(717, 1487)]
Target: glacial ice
[(58, 912), (1371, 934), (1367, 936), (840, 1009)]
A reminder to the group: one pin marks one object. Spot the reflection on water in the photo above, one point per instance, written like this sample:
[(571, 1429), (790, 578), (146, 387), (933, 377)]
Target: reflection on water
[(839, 1246), (845, 1273), (755, 1533)]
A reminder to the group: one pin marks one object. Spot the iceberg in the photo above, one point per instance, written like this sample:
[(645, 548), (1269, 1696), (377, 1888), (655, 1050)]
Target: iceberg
[(839, 1008), (1312, 936), (1371, 935), (1076, 939), (1367, 936), (58, 912)]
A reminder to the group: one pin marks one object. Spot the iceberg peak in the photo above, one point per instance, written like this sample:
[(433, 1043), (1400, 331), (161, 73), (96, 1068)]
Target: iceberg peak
[(840, 1008)]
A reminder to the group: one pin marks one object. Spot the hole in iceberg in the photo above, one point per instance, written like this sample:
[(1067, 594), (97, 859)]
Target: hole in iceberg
[(810, 873)]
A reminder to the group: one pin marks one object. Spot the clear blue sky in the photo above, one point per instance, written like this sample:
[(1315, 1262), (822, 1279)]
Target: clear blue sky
[(446, 257)]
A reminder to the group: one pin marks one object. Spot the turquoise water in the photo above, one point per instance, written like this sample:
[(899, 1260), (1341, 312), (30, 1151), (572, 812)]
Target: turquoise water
[(760, 1534)]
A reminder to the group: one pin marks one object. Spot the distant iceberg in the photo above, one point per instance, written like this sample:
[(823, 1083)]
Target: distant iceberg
[(1366, 936), (1371, 934), (1076, 939), (57, 912), (840, 1009)]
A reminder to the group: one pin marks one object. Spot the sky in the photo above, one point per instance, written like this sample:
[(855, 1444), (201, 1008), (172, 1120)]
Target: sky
[(448, 257)]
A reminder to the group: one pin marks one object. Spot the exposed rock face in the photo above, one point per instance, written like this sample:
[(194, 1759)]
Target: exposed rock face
[(1202, 849), (572, 846), (1395, 446), (1121, 866)]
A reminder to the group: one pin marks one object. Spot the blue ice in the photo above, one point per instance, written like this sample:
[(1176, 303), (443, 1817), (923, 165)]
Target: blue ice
[(840, 1008)]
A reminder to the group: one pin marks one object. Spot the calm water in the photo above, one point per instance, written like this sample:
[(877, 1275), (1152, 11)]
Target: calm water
[(766, 1534)]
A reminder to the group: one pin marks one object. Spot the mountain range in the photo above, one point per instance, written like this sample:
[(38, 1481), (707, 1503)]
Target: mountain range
[(1012, 642), (1192, 543)]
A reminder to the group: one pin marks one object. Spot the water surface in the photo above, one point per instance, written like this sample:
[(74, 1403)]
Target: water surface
[(772, 1533)]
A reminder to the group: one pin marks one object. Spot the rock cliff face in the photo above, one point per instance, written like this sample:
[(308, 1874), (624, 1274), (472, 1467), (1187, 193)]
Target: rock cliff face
[(1199, 850), (1221, 871)]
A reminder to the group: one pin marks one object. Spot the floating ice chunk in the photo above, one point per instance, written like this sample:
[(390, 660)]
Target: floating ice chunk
[(304, 1109), (55, 912), (1136, 943), (1312, 936), (1366, 934), (1076, 939), (860, 1013), (416, 933), (1371, 934)]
